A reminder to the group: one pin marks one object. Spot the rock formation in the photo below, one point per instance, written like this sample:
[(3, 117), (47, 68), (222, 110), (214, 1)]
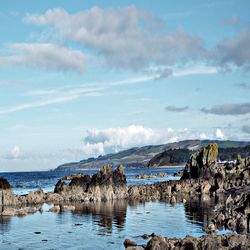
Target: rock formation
[(103, 186), (202, 163), (7, 197), (226, 242)]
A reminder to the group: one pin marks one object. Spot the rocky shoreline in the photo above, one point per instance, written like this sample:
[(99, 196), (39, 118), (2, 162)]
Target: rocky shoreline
[(227, 241), (203, 180)]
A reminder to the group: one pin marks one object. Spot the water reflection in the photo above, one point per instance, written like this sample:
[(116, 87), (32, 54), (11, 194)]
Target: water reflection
[(5, 222), (122, 217), (200, 212)]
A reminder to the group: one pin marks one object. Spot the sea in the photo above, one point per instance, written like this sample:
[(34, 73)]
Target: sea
[(103, 225)]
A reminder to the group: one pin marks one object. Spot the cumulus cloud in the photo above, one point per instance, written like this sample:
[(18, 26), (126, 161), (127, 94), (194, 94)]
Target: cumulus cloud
[(103, 141), (219, 134), (228, 109), (127, 37), (14, 153), (43, 55), (176, 109), (234, 51)]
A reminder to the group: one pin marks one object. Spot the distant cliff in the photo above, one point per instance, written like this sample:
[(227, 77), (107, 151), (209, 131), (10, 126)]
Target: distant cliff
[(178, 152)]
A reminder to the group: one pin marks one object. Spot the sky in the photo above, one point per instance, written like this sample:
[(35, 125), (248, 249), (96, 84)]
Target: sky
[(85, 78)]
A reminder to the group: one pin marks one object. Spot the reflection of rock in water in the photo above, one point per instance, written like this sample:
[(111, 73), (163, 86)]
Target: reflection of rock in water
[(199, 211), (4, 223), (105, 214)]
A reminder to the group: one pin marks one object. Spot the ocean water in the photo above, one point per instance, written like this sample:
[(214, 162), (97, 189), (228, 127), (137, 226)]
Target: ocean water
[(24, 182), (95, 226)]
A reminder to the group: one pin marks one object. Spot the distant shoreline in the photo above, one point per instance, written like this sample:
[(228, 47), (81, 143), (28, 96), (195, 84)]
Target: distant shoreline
[(159, 167)]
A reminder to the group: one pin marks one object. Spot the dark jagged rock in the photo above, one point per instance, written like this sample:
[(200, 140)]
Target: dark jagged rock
[(201, 163), (4, 184), (178, 174), (7, 197), (102, 186)]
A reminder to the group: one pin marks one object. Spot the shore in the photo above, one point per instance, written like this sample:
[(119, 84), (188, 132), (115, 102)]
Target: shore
[(225, 188)]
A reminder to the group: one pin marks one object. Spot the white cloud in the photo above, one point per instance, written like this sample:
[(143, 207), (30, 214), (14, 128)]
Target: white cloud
[(127, 37), (219, 134), (15, 151), (103, 141), (43, 55)]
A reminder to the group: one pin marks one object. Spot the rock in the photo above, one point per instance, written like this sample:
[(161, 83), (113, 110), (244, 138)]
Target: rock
[(103, 186), (36, 197), (55, 209), (178, 174), (129, 243), (229, 201), (106, 169), (173, 200), (205, 187), (201, 163), (73, 176), (221, 218), (7, 197), (4, 184), (21, 213), (31, 210), (225, 242), (145, 236), (211, 229), (149, 176), (9, 212), (68, 208)]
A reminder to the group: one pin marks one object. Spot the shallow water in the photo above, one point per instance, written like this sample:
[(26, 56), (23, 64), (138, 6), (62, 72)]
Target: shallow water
[(99, 226)]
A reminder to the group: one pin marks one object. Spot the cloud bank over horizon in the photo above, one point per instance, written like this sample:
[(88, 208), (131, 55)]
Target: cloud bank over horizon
[(112, 140)]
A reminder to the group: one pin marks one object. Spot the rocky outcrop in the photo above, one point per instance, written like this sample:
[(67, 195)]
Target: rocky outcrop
[(7, 197), (226, 242), (103, 186), (228, 187), (150, 176), (234, 211), (36, 197), (202, 163), (73, 176)]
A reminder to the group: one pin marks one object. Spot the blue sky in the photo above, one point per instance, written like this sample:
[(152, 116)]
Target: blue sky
[(84, 78)]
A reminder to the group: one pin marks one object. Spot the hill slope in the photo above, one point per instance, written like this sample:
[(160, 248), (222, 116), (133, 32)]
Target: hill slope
[(140, 156)]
